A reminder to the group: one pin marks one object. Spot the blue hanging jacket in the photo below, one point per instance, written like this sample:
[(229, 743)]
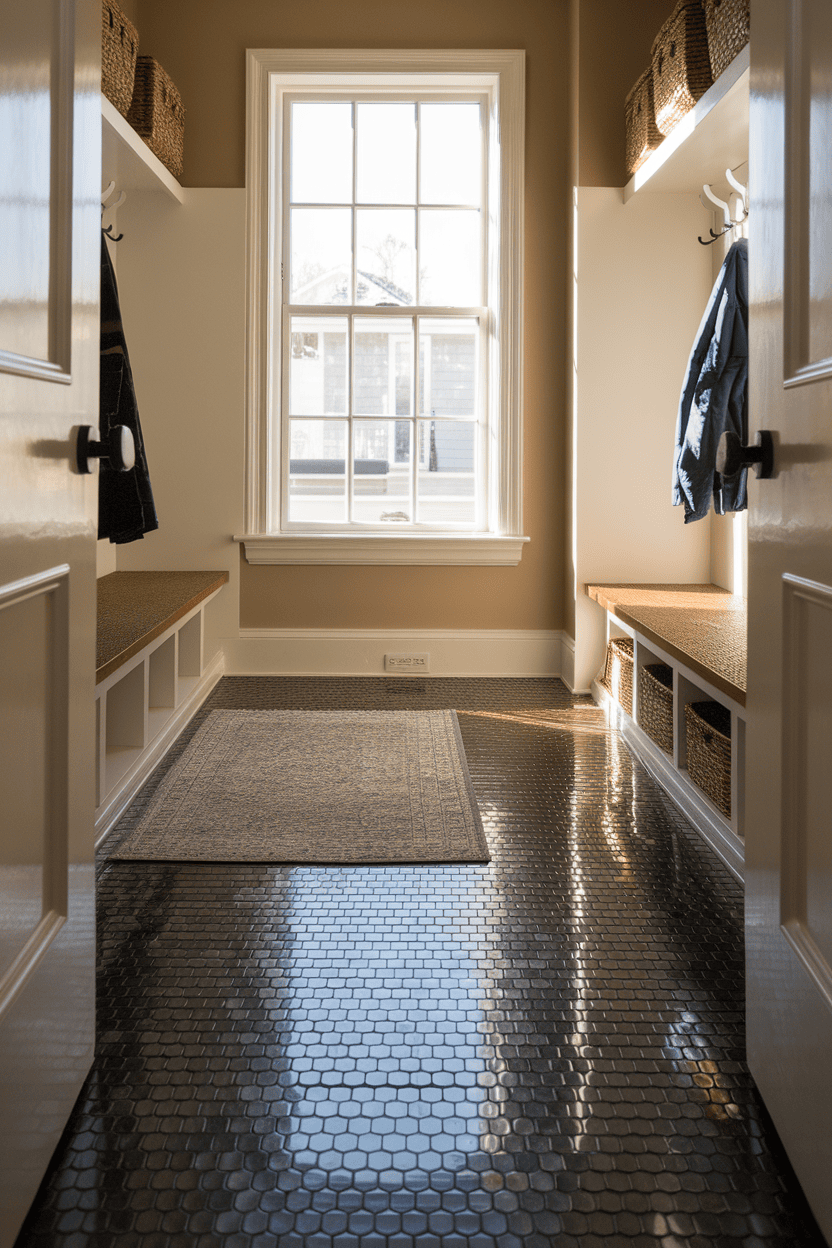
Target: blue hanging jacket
[(715, 396)]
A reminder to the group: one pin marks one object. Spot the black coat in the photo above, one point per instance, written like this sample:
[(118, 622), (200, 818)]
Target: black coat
[(715, 396), (125, 500)]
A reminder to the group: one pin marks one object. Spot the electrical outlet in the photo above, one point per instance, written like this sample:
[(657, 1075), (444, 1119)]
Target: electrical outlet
[(418, 664)]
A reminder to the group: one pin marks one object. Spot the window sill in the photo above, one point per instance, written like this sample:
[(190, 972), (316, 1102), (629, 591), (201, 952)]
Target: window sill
[(396, 549)]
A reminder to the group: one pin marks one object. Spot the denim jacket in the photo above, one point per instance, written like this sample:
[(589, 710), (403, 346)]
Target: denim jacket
[(715, 396)]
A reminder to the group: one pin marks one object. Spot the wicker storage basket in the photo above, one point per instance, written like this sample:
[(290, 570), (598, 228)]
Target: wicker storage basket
[(708, 730), (157, 113), (681, 65), (728, 23), (655, 704), (642, 134), (119, 49), (618, 672)]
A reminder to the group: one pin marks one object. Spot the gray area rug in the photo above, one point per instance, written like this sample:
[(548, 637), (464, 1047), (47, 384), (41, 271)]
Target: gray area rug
[(316, 787)]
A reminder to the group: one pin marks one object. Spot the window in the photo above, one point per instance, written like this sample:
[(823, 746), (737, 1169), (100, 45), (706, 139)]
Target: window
[(384, 353)]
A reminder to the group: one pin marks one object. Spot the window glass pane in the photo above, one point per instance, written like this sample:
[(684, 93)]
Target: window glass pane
[(449, 258), (321, 170), (318, 366), (381, 472), (321, 251), (386, 153), (386, 262), (448, 367), (451, 154), (317, 471), (383, 378), (446, 473)]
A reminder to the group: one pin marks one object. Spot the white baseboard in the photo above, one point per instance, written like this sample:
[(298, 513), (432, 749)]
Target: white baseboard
[(567, 673), (116, 802), (360, 652)]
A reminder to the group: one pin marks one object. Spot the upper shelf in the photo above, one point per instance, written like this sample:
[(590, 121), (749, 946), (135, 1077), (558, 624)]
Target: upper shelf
[(712, 137), (129, 160)]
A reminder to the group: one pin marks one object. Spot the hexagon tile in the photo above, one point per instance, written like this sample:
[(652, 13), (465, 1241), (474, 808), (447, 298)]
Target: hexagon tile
[(544, 1050)]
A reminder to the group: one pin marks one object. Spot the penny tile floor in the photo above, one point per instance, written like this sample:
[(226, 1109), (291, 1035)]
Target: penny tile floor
[(544, 1050)]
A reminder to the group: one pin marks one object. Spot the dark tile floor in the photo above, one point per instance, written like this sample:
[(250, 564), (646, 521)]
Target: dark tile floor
[(546, 1050)]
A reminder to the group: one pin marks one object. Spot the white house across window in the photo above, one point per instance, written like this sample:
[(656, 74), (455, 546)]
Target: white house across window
[(384, 278)]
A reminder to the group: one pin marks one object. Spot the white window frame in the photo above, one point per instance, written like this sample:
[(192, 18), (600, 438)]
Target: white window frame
[(500, 76)]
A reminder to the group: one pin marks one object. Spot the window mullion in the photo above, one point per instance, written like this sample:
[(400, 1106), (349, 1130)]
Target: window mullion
[(485, 292), (350, 447), (483, 449), (285, 424), (284, 258), (418, 199), (414, 424), (354, 291), (417, 390)]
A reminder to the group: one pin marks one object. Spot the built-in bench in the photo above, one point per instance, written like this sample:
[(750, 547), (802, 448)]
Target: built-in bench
[(152, 673), (700, 632)]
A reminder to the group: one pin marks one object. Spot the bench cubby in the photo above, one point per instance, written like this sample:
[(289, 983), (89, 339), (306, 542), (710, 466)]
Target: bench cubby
[(152, 674), (699, 632)]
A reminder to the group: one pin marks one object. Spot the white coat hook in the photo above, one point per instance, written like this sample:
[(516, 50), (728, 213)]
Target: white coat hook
[(740, 210), (720, 203), (741, 190), (105, 207)]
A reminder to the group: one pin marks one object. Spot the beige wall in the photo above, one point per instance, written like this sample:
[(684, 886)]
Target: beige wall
[(182, 286), (202, 45), (610, 46), (615, 43), (621, 402), (643, 282), (130, 9)]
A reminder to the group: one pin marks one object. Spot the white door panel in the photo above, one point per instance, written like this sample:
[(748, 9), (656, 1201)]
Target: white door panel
[(50, 164), (808, 195), (33, 723), (806, 843), (36, 145), (789, 735)]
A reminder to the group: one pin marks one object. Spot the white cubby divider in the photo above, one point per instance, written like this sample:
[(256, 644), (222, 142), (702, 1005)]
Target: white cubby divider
[(643, 656), (142, 706), (161, 694), (125, 719), (725, 836)]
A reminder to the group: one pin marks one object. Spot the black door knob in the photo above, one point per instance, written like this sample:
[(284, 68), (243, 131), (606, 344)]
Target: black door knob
[(119, 451), (731, 455)]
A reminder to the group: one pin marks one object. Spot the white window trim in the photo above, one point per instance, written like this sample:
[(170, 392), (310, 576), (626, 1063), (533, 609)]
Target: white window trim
[(502, 75)]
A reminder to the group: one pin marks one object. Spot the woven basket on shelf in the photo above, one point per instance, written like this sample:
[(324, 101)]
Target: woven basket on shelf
[(618, 672), (681, 64), (728, 24), (655, 704), (642, 134), (119, 49), (157, 113), (708, 732)]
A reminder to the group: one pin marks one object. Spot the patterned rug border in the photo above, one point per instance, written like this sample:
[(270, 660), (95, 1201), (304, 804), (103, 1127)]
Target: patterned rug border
[(457, 816)]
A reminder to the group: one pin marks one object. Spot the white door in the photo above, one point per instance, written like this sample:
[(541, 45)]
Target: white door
[(789, 768), (50, 145)]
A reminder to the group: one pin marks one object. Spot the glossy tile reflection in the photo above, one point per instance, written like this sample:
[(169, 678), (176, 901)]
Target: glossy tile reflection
[(544, 1050)]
